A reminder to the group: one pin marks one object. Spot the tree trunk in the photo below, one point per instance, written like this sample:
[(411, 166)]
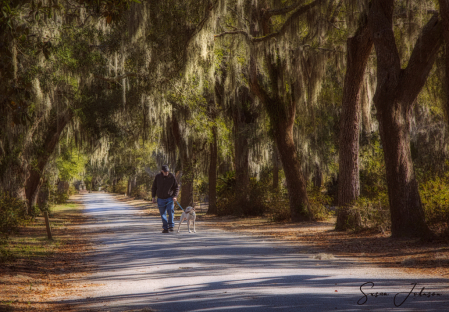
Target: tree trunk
[(282, 118), (34, 180), (241, 151), (396, 93), (187, 183), (358, 50), (213, 173), (187, 163), (444, 12), (42, 198), (128, 187), (407, 215), (296, 184), (134, 183), (366, 98), (317, 177), (275, 168)]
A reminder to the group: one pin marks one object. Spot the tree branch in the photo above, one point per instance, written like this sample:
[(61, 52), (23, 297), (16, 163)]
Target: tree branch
[(421, 61), (269, 13), (118, 78), (203, 21), (283, 29), (248, 37)]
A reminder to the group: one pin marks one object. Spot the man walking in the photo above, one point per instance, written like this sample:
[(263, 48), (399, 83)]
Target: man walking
[(166, 188)]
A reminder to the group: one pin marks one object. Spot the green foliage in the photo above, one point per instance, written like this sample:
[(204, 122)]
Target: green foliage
[(230, 199), (374, 211), (372, 205), (372, 169), (120, 187), (279, 210), (319, 202), (435, 199), (144, 183), (12, 211), (70, 163), (59, 197)]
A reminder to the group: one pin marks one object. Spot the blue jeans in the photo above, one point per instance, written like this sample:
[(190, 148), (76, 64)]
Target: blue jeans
[(167, 206)]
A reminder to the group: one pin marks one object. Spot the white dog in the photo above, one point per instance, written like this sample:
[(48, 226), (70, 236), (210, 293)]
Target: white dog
[(188, 214)]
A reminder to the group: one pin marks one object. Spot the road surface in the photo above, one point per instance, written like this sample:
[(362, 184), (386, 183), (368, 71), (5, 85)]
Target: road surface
[(138, 267)]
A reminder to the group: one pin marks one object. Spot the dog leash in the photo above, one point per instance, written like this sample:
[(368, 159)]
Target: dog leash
[(179, 205), (171, 203)]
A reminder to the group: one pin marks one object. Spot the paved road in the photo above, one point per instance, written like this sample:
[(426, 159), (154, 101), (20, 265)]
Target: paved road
[(139, 267)]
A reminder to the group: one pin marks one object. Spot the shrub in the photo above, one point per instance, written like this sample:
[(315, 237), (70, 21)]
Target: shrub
[(72, 190), (435, 199), (374, 212), (372, 170), (121, 186), (59, 197), (230, 199), (279, 207), (12, 211), (141, 192), (319, 202)]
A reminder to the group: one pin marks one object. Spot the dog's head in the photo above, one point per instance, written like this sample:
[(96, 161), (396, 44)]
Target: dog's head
[(189, 209)]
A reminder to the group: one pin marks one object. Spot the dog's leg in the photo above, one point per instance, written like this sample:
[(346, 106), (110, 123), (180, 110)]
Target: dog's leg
[(180, 221), (188, 224), (194, 231)]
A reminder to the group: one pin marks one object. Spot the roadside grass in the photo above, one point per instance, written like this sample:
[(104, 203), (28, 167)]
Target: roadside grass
[(34, 269), (19, 247), (30, 240)]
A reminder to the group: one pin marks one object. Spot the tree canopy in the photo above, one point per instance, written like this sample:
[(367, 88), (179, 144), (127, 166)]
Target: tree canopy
[(285, 107)]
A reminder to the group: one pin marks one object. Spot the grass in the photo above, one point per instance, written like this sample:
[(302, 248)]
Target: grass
[(35, 269), (31, 242), (29, 248)]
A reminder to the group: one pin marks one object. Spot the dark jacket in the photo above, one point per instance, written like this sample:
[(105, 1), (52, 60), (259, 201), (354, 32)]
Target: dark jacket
[(165, 186)]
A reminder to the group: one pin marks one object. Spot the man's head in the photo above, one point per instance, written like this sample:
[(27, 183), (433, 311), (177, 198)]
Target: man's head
[(165, 170)]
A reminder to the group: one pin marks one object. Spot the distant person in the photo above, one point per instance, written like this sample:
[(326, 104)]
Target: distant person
[(166, 188)]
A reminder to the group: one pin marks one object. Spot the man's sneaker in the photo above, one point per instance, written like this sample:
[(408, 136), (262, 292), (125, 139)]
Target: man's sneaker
[(165, 231), (171, 229)]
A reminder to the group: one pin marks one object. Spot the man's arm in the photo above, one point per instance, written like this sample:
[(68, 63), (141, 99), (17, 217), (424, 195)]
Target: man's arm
[(154, 189)]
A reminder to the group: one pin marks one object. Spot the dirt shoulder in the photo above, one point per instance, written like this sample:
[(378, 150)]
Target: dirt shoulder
[(38, 270), (412, 256)]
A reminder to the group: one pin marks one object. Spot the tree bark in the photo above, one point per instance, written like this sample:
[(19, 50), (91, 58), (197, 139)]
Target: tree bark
[(317, 177), (187, 163), (187, 184), (358, 50), (213, 173), (132, 184), (275, 167), (243, 119), (296, 184), (282, 118), (444, 12), (366, 99), (397, 90), (34, 181)]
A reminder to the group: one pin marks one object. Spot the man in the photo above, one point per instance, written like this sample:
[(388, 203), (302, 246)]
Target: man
[(166, 188)]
